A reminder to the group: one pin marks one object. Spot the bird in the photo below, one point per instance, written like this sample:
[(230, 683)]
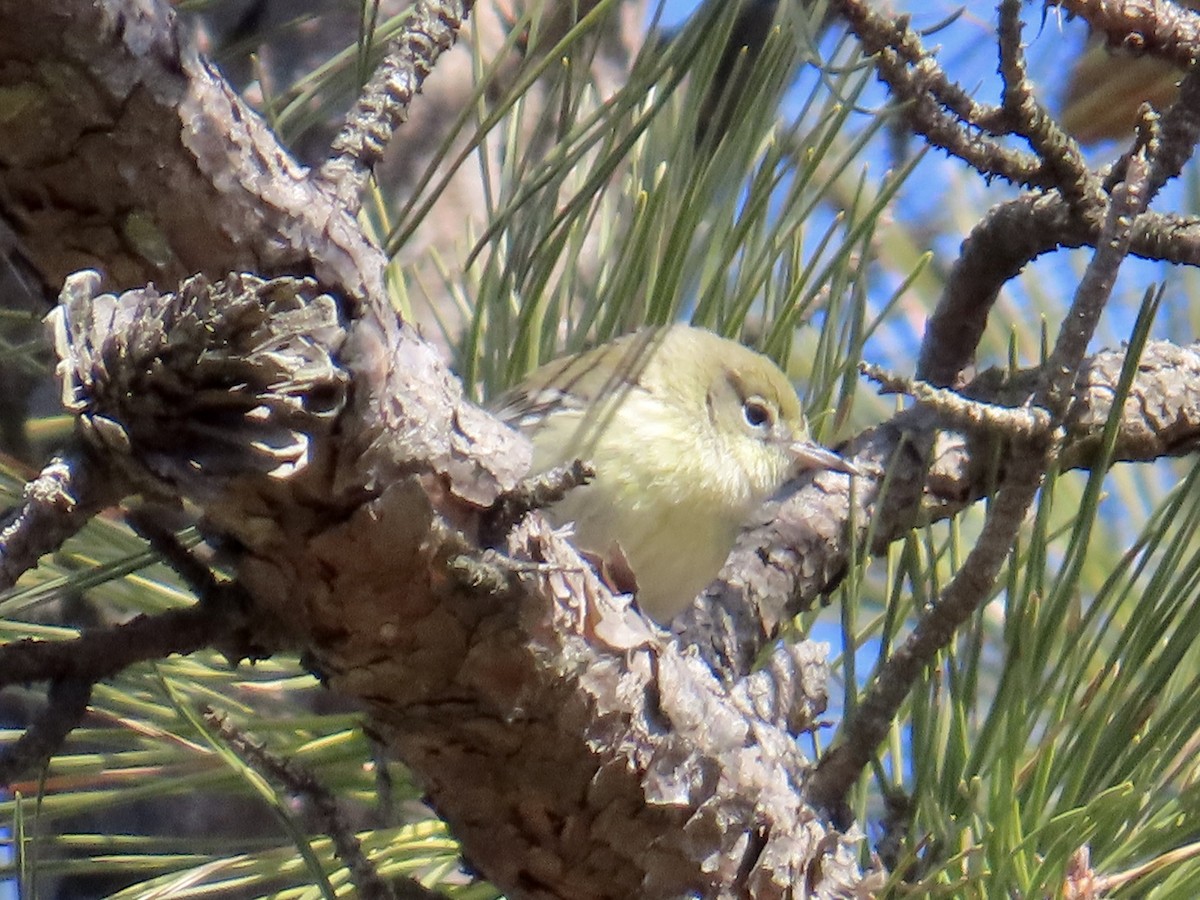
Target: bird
[(687, 433)]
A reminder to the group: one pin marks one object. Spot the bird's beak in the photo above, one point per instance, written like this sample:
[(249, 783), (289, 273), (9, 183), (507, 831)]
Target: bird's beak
[(813, 456)]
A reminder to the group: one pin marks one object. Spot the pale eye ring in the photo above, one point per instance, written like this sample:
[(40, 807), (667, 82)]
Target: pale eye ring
[(758, 413)]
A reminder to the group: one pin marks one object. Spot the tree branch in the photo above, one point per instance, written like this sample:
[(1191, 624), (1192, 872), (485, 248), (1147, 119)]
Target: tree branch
[(55, 505), (383, 104), (574, 748), (973, 582)]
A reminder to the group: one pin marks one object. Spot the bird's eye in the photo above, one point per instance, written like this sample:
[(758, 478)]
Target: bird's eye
[(757, 413)]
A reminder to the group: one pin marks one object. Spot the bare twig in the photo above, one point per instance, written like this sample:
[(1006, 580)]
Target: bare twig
[(298, 780), (104, 652), (1008, 238), (956, 410), (73, 666), (1057, 150), (1013, 234), (536, 492), (55, 506), (66, 705), (935, 107), (1179, 130), (975, 580), (383, 105)]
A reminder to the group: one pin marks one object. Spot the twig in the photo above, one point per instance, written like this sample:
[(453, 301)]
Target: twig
[(103, 652), (935, 107), (66, 705), (1013, 234), (1179, 130), (298, 780), (73, 666), (1167, 30), (1008, 238), (1057, 150), (1028, 422), (1128, 202), (54, 507), (431, 30), (974, 581), (162, 540), (535, 492)]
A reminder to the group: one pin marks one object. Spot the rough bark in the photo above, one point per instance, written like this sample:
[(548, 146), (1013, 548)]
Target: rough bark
[(576, 750)]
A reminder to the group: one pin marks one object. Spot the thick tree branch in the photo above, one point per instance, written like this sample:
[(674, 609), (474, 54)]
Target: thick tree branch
[(145, 165)]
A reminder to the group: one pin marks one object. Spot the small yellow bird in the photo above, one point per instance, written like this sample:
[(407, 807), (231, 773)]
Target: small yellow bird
[(688, 434)]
